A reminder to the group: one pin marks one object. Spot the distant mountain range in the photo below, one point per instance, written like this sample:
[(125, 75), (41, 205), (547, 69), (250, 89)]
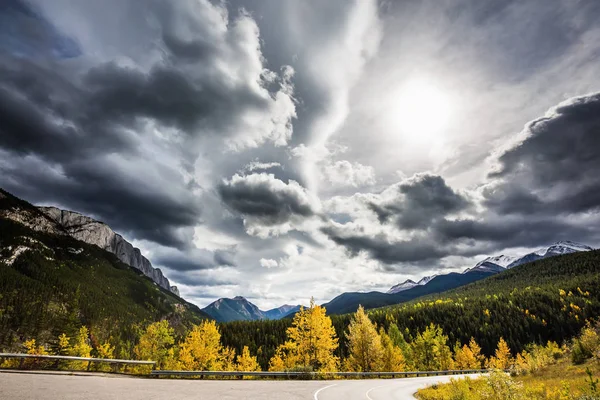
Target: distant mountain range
[(409, 289), (240, 309)]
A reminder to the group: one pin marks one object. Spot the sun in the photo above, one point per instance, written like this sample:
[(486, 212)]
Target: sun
[(420, 109)]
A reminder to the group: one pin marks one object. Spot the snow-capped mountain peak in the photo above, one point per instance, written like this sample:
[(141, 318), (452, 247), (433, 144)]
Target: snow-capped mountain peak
[(426, 279), (501, 260), (407, 284)]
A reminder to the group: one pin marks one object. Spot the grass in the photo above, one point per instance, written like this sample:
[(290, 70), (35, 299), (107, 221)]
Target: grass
[(560, 381)]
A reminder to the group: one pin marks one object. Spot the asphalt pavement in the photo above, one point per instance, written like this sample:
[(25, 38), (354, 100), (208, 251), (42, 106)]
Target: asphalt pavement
[(61, 386)]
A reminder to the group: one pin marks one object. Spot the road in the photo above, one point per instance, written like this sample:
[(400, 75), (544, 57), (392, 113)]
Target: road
[(34, 386)]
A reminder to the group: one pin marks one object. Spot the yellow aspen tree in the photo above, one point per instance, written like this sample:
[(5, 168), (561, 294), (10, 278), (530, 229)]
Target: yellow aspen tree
[(461, 356), (246, 361), (227, 359), (476, 351), (156, 344), (464, 358), (392, 359), (202, 350), (502, 358), (32, 348), (430, 350), (105, 350), (311, 341), (277, 363), (443, 353), (364, 343), (80, 348), (64, 345)]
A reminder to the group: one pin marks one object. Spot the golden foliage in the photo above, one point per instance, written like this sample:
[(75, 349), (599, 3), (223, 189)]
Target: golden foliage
[(310, 344), (502, 358), (364, 343), (202, 349), (247, 362), (156, 344)]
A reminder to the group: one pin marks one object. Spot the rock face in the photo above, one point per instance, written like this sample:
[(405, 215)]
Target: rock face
[(90, 231)]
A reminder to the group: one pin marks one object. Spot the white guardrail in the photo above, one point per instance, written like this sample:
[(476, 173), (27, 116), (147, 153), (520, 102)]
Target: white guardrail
[(238, 374), (90, 360)]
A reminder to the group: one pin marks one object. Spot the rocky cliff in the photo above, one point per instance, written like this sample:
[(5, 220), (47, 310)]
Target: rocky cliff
[(90, 231)]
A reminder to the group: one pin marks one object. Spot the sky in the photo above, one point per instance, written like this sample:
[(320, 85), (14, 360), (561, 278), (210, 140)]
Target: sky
[(283, 149)]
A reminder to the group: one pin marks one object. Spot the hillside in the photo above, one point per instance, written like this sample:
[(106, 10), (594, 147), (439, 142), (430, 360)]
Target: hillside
[(548, 299), (349, 302), (52, 283)]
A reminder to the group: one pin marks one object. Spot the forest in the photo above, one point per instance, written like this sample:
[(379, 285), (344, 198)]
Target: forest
[(545, 300)]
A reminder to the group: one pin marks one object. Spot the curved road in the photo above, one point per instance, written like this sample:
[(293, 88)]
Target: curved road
[(64, 386)]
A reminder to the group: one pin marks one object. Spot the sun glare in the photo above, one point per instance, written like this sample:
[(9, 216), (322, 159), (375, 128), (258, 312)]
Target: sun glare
[(420, 109)]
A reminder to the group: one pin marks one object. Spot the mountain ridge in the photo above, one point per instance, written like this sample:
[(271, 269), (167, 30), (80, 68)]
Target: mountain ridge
[(240, 309)]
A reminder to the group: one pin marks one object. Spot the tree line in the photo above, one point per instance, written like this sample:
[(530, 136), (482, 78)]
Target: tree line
[(310, 346)]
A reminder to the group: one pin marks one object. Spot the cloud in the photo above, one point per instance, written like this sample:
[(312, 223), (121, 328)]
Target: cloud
[(118, 137), (346, 173), (415, 202), (268, 263), (552, 170), (542, 189), (384, 249), (258, 166), (265, 201)]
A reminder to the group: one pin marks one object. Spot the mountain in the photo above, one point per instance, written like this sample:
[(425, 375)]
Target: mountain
[(407, 284), (349, 302), (425, 280), (91, 231), (281, 312), (240, 309), (407, 290), (556, 249), (52, 283)]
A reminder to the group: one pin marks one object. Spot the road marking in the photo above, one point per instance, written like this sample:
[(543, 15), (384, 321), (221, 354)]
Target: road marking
[(318, 391), (373, 388)]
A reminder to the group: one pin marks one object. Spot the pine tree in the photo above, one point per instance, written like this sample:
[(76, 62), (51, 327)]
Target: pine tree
[(364, 343)]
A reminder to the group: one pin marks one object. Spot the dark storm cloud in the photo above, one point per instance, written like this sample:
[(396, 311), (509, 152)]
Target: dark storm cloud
[(169, 94), (266, 199), (554, 170), (419, 200), (495, 233), (384, 250), (83, 138), (193, 259)]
